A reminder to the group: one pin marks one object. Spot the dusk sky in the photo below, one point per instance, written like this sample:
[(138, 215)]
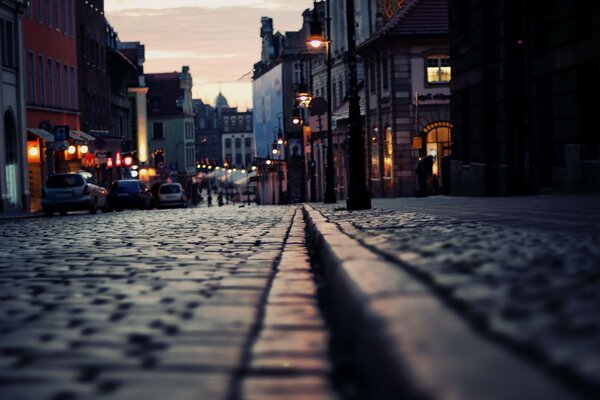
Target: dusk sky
[(218, 39)]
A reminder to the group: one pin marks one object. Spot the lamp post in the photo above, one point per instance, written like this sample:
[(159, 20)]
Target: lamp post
[(317, 40), (358, 194)]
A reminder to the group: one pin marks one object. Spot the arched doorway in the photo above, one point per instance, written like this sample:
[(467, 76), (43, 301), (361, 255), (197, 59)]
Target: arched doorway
[(438, 143), (11, 168)]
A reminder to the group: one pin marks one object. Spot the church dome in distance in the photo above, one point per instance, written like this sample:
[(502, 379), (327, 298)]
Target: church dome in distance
[(221, 101)]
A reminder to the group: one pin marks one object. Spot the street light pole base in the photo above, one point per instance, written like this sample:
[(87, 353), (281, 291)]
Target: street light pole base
[(358, 203), (329, 200)]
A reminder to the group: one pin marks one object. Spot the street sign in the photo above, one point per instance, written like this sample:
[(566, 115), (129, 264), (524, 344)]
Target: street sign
[(60, 132)]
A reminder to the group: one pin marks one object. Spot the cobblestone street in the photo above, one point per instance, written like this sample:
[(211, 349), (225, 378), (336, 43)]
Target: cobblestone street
[(441, 298), (157, 305)]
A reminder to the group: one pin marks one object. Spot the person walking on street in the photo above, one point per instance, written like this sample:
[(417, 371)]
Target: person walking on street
[(209, 200), (424, 171)]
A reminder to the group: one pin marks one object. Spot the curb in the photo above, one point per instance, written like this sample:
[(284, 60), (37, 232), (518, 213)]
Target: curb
[(403, 340)]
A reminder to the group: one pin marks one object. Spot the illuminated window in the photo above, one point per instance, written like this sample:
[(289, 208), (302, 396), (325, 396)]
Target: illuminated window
[(438, 69), (388, 154)]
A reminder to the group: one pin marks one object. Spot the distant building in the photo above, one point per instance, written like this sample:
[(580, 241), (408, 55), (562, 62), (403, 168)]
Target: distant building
[(171, 123), (407, 93), (524, 97), (208, 134), (238, 148), (14, 187), (52, 98), (137, 91)]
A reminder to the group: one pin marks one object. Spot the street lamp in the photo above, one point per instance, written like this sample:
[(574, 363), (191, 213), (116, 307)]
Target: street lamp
[(317, 40), (358, 194)]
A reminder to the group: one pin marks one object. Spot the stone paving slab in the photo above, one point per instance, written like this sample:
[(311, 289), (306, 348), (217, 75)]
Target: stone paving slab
[(386, 270), (137, 305)]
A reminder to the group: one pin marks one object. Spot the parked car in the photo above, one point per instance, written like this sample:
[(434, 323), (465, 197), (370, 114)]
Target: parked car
[(72, 192), (129, 193), (170, 194)]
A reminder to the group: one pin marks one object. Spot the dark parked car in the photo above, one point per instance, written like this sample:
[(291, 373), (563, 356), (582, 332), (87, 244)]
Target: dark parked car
[(129, 193), (72, 192)]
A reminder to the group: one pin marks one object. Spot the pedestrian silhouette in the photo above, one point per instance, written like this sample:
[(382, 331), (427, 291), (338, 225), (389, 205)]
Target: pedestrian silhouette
[(209, 200), (220, 199), (424, 171)]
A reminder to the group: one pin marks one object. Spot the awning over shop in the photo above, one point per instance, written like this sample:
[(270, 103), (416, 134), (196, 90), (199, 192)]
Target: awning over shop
[(81, 136), (41, 133)]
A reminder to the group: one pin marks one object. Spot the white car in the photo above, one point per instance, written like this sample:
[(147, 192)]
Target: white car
[(72, 192), (171, 194)]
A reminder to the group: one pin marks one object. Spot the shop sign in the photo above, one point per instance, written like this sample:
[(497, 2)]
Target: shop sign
[(417, 142)]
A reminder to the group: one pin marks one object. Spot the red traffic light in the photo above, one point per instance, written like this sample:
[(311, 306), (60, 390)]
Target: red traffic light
[(128, 161)]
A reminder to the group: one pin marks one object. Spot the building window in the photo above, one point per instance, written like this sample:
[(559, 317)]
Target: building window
[(385, 79), (8, 44), (238, 159), (248, 143), (59, 98), (70, 18), (298, 78), (438, 69), (238, 143), (50, 83), (157, 131), (31, 76), (48, 17), (39, 11), (228, 143), (372, 78), (56, 15), (67, 88), (73, 89), (42, 83), (64, 16)]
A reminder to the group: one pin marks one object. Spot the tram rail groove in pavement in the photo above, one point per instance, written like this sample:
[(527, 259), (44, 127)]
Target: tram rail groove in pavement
[(406, 342)]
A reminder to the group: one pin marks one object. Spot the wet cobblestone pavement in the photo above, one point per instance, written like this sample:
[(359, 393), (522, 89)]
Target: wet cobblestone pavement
[(153, 305), (537, 291)]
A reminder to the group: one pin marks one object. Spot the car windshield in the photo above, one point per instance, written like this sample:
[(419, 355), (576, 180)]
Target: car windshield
[(166, 189), (64, 181), (127, 187)]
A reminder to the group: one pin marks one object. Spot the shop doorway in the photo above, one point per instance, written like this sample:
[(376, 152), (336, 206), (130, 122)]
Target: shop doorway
[(438, 143)]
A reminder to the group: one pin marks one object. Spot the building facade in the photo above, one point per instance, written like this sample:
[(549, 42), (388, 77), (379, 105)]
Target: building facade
[(407, 90), (52, 98), (14, 186), (525, 78), (171, 124)]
